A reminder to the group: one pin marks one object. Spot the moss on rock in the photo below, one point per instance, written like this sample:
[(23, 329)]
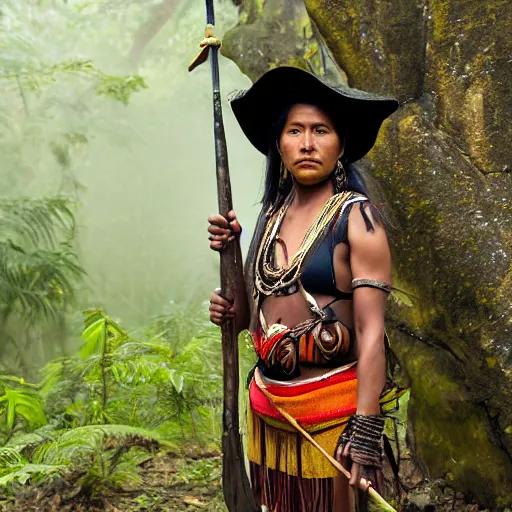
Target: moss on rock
[(450, 227), (379, 44), (442, 165), (271, 34), (468, 77), (448, 432)]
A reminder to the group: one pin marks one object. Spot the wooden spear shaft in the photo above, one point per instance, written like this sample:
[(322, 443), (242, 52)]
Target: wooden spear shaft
[(237, 491)]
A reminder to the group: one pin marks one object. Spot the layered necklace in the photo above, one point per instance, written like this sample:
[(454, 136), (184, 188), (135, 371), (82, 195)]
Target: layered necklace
[(269, 278)]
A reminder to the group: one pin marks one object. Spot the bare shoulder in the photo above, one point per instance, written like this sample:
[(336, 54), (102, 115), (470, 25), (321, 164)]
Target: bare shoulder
[(369, 248), (365, 220)]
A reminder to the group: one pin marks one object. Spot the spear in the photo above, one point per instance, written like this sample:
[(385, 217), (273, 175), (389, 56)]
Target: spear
[(237, 491)]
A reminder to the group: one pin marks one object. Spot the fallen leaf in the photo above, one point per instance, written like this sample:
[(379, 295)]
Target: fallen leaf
[(190, 500)]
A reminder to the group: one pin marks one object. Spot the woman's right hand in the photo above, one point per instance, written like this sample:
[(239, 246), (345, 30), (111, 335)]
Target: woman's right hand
[(223, 230), (220, 308)]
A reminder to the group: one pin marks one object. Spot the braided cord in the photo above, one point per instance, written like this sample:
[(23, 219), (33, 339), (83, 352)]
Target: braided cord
[(364, 432)]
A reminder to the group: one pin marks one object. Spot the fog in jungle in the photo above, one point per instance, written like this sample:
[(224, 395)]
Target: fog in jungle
[(144, 176)]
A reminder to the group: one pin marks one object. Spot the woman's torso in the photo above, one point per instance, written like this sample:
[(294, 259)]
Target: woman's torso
[(326, 277)]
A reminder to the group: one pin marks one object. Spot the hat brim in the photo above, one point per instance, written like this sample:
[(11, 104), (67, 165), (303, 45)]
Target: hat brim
[(359, 113)]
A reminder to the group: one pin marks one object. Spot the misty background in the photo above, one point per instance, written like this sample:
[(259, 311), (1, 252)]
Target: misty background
[(142, 174)]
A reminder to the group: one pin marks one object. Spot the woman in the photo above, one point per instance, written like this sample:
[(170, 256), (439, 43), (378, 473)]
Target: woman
[(318, 274)]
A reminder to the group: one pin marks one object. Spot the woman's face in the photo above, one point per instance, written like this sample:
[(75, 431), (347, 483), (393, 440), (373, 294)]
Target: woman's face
[(309, 145)]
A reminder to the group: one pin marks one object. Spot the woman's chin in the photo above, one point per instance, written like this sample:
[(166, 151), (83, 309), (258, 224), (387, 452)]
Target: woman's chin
[(310, 179)]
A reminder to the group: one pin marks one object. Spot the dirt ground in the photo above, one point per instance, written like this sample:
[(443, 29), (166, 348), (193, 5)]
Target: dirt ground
[(169, 484), (172, 484)]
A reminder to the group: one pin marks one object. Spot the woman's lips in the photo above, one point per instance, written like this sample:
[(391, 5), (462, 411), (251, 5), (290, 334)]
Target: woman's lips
[(307, 163)]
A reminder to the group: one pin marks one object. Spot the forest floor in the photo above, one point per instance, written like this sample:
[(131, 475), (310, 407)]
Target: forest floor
[(169, 483), (193, 483)]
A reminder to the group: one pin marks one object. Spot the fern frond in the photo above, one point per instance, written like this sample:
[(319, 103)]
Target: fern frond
[(9, 457), (37, 283), (77, 443), (54, 373), (142, 370), (119, 471), (15, 468), (32, 472), (117, 432), (155, 347), (36, 222), (24, 441)]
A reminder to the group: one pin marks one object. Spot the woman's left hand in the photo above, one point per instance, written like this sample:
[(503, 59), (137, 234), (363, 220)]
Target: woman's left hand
[(360, 475)]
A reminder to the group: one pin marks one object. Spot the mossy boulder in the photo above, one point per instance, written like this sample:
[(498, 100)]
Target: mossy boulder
[(443, 164), (379, 44), (450, 329), (468, 77), (449, 432), (272, 33)]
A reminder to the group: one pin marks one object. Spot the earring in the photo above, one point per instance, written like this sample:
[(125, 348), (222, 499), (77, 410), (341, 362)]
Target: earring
[(340, 177), (281, 192), (283, 175)]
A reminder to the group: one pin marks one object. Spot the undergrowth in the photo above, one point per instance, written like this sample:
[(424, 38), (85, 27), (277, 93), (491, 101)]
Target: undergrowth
[(94, 418)]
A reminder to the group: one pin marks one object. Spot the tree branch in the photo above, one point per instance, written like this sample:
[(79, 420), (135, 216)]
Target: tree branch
[(160, 15)]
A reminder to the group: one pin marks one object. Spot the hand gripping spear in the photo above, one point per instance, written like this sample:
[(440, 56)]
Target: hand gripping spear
[(237, 491)]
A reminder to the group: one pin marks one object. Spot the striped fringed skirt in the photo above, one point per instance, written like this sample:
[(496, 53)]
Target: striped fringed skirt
[(288, 474)]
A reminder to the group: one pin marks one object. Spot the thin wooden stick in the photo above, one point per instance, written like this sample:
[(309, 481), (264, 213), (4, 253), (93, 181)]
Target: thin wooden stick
[(238, 494), (371, 491)]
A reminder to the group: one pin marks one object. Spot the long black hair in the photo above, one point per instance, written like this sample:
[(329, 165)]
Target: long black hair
[(274, 194)]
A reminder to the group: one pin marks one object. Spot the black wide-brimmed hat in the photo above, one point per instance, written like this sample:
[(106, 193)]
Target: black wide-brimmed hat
[(360, 114)]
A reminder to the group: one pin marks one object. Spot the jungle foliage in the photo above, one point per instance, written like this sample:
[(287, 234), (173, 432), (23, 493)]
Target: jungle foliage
[(93, 417), (83, 413)]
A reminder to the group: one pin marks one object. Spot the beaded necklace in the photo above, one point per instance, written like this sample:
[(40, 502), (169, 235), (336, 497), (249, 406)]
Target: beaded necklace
[(269, 278)]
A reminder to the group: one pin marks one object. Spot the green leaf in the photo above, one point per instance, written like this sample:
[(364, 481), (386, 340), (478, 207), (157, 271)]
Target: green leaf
[(29, 471), (10, 457), (120, 88), (177, 381), (11, 408), (24, 403), (94, 336)]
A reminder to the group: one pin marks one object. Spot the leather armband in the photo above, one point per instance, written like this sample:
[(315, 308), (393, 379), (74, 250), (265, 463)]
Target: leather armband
[(371, 283), (364, 432)]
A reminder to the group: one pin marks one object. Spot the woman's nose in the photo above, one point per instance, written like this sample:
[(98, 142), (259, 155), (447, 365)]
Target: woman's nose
[(307, 141)]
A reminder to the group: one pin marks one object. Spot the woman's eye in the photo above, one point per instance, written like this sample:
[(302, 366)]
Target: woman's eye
[(294, 131), (321, 131)]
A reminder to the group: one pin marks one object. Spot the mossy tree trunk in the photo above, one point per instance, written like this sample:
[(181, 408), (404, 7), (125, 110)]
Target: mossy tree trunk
[(443, 163)]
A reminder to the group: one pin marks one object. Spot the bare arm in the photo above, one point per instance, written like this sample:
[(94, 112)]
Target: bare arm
[(369, 258)]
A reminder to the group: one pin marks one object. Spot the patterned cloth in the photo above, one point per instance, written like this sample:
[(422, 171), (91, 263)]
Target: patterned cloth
[(288, 474)]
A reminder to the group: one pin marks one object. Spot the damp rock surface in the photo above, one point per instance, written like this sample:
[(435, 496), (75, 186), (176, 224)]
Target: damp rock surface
[(443, 169)]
